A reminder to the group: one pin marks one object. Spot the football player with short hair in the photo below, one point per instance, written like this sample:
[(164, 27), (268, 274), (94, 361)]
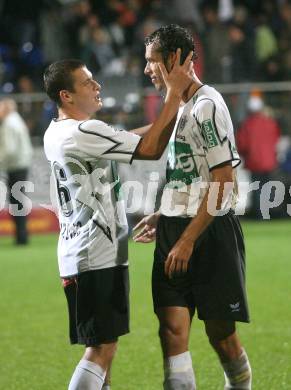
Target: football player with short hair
[(199, 261), (92, 248)]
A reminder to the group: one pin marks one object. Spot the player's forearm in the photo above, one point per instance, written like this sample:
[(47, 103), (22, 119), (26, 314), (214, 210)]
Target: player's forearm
[(199, 223), (209, 208), (156, 139)]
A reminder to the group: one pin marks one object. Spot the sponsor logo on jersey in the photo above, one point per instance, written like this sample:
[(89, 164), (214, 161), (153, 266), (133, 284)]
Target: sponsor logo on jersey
[(181, 163), (209, 133), (182, 123)]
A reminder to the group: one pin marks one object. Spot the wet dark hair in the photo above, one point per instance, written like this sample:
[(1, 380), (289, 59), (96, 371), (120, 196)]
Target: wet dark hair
[(58, 76), (167, 39)]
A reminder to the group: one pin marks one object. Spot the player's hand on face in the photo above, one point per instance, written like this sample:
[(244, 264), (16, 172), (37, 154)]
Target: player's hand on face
[(180, 76), (148, 229), (178, 258)]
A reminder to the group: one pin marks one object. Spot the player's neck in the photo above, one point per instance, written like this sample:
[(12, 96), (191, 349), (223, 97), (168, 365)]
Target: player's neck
[(191, 90), (67, 113)]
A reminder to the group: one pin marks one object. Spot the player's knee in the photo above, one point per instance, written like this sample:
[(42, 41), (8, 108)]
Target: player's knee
[(173, 331), (226, 349), (218, 344), (105, 352), (218, 332), (109, 350), (225, 341)]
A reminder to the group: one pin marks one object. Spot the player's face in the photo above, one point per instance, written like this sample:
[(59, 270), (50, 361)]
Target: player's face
[(153, 57), (86, 95)]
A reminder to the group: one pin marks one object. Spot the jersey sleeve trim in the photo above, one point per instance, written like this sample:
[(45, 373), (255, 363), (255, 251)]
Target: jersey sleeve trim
[(234, 160), (116, 144), (133, 154), (225, 162)]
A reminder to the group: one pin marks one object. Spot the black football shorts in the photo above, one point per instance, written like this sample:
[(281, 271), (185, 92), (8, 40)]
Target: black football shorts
[(98, 304), (214, 284)]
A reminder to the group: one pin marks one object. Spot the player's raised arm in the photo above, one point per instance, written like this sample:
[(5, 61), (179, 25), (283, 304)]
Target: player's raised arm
[(141, 131), (177, 81)]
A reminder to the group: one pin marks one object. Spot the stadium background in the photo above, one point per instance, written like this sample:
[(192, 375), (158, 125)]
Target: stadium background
[(244, 50)]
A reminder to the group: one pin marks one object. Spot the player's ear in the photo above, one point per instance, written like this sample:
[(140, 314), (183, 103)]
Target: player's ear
[(170, 61), (66, 96)]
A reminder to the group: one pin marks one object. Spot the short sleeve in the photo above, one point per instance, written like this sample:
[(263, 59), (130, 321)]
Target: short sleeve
[(217, 132), (96, 138)]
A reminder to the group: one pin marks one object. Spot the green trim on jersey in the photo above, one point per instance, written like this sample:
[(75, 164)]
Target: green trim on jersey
[(117, 187)]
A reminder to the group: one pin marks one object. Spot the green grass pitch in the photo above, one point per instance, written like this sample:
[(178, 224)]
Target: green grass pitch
[(34, 349)]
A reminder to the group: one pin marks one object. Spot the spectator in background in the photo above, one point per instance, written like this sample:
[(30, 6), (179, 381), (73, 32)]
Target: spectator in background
[(271, 69), (184, 12), (98, 52), (242, 48), (225, 10), (287, 65), (216, 46), (15, 159), (126, 12), (257, 138), (30, 110), (285, 32), (284, 39), (54, 38), (75, 18), (265, 41)]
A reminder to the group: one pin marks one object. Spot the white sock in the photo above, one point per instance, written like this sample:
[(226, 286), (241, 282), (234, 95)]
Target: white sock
[(238, 373), (179, 372), (87, 376)]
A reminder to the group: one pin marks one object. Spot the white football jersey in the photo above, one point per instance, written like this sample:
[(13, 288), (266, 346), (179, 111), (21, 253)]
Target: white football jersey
[(93, 226), (203, 139)]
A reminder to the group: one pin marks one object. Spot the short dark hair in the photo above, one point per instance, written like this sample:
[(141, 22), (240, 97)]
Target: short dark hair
[(58, 76), (170, 38)]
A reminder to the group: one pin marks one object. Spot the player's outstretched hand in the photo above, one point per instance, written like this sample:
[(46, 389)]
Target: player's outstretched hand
[(178, 258), (180, 76), (148, 227)]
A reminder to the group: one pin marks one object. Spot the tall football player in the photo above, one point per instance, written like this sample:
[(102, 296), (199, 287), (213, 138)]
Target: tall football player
[(199, 261)]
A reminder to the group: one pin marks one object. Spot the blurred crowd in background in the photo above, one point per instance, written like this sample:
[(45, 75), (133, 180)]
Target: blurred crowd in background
[(238, 41)]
